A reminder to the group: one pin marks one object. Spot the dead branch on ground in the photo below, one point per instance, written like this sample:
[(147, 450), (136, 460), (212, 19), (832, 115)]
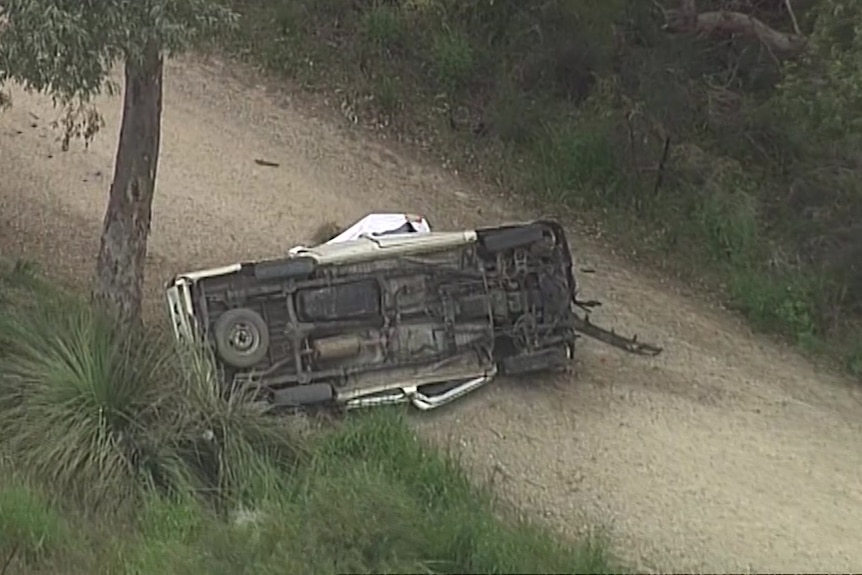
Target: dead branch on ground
[(687, 20)]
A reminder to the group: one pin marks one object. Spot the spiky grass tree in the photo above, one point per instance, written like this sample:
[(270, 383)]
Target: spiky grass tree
[(104, 415), (234, 447), (77, 400)]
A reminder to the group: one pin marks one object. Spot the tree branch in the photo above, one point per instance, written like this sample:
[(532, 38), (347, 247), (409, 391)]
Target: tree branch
[(687, 20), (793, 18)]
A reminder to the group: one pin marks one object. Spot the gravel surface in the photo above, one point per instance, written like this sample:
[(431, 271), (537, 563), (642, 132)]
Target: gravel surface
[(725, 453)]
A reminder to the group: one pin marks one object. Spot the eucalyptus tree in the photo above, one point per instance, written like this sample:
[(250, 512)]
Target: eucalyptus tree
[(67, 49)]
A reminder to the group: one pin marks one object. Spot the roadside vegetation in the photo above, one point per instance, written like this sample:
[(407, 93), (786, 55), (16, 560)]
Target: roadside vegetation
[(718, 140), (119, 455)]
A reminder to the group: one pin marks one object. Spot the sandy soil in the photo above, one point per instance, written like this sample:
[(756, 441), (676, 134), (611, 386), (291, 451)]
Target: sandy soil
[(725, 453)]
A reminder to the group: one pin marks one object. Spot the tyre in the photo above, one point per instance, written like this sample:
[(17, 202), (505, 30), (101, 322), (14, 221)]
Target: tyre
[(501, 240), (241, 337)]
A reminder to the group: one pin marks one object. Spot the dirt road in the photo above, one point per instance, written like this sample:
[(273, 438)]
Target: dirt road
[(725, 453)]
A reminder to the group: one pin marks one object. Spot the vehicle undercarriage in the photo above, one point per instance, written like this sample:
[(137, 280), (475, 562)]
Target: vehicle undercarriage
[(424, 326)]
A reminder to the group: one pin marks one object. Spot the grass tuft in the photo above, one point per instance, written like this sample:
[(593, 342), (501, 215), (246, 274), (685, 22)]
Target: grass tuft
[(572, 164), (76, 398), (31, 530), (382, 28), (452, 58), (103, 417)]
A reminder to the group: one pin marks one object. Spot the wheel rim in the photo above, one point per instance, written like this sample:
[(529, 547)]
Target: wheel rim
[(244, 338)]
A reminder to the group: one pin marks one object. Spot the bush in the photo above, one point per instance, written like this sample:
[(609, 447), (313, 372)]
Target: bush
[(75, 399), (727, 217), (573, 163), (452, 58), (382, 28), (103, 417), (778, 302)]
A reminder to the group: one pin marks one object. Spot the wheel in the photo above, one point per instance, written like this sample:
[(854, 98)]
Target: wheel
[(241, 337), (501, 240)]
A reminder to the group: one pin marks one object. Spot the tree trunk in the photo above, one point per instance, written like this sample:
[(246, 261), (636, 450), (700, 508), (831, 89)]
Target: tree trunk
[(123, 249)]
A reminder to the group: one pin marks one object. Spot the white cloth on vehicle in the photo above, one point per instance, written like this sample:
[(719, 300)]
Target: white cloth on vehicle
[(379, 224)]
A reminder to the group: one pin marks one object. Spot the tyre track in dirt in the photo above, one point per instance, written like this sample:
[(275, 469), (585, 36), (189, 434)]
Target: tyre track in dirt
[(725, 453)]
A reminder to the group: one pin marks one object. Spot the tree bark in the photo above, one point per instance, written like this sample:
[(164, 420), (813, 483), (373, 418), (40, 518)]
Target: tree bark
[(126, 226)]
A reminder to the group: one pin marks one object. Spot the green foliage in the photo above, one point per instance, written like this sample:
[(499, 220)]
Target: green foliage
[(462, 535), (382, 27), (271, 33), (514, 115), (573, 163), (103, 416), (67, 48), (387, 94), (452, 58), (71, 392), (729, 222), (372, 499), (167, 531), (30, 528), (823, 89), (235, 447), (727, 213), (776, 302)]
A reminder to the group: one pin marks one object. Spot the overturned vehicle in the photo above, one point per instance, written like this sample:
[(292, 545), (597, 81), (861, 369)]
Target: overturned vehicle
[(372, 319)]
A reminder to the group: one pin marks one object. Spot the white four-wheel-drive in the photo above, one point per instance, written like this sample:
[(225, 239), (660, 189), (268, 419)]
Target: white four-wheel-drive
[(390, 312)]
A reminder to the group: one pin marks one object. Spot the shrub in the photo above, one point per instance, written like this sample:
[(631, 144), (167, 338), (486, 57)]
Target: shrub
[(778, 302), (573, 163), (728, 220), (233, 446), (382, 27), (453, 59), (75, 398), (102, 416)]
